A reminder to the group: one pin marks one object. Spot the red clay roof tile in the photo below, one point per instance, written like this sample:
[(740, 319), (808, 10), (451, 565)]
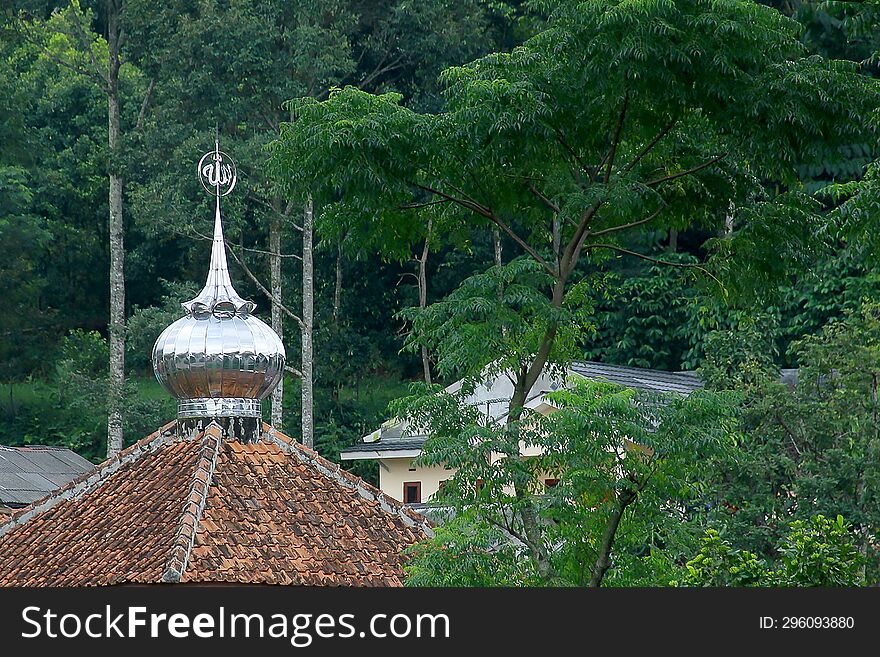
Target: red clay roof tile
[(206, 509)]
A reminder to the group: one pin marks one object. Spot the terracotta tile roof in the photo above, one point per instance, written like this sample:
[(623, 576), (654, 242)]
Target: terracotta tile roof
[(206, 509)]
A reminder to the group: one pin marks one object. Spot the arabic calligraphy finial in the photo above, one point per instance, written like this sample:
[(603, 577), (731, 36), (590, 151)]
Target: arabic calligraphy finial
[(217, 171), (217, 174)]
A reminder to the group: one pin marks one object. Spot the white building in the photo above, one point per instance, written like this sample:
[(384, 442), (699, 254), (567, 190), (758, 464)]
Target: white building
[(396, 449)]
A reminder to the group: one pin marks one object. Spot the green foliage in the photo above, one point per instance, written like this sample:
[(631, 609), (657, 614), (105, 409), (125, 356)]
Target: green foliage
[(719, 564), (467, 552), (809, 447), (189, 68), (495, 321), (818, 551), (612, 449), (837, 285), (721, 96), (742, 355), (70, 409), (657, 318), (145, 324), (24, 325)]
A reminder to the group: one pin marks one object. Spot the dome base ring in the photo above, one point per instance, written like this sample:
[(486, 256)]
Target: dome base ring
[(207, 407)]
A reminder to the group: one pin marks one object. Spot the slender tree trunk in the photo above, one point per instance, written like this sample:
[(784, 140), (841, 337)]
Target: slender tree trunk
[(337, 290), (673, 240), (277, 314), (423, 300), (117, 249), (496, 243), (525, 379), (556, 238), (308, 294), (603, 561)]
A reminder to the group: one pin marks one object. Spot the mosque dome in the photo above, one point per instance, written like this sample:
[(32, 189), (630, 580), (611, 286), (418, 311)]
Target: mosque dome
[(219, 360)]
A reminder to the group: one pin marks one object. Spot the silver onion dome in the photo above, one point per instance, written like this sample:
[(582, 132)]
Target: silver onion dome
[(218, 360)]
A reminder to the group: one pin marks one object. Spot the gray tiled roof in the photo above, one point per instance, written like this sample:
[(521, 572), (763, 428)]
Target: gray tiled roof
[(639, 377), (28, 474), (392, 438), (409, 442), (789, 377)]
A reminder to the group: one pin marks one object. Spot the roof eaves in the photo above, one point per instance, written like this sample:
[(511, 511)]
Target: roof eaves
[(194, 504), (88, 480), (334, 471), (414, 442)]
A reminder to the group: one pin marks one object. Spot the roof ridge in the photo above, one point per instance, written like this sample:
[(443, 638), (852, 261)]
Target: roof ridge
[(632, 367), (333, 470), (50, 448), (194, 503), (88, 480)]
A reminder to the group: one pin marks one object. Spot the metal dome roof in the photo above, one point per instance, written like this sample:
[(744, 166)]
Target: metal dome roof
[(219, 360)]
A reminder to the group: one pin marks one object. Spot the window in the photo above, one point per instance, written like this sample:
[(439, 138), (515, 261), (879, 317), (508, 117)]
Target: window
[(550, 483), (479, 485), (412, 492)]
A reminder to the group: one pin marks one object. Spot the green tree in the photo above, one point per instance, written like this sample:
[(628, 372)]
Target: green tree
[(807, 447), (67, 40), (818, 551), (618, 457), (24, 234), (250, 57), (617, 116)]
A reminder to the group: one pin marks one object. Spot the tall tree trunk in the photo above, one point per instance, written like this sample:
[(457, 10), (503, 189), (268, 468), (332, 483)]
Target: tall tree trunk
[(117, 250), (525, 379), (337, 290), (496, 243), (423, 300), (308, 296), (603, 561), (277, 323)]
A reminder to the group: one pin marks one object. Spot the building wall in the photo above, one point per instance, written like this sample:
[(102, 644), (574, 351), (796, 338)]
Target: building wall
[(394, 472)]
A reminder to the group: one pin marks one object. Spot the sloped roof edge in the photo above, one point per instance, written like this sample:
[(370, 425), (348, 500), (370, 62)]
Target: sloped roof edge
[(336, 472), (87, 481)]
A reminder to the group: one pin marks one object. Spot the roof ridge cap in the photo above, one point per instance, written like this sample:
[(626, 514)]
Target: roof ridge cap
[(194, 504), (335, 471), (85, 482)]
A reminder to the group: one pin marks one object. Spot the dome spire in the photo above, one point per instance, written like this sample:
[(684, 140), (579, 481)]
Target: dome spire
[(218, 176), (219, 361)]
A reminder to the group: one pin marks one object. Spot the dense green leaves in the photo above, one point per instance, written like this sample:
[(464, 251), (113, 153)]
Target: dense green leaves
[(495, 321), (610, 449), (190, 68), (815, 552), (627, 108), (809, 447)]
